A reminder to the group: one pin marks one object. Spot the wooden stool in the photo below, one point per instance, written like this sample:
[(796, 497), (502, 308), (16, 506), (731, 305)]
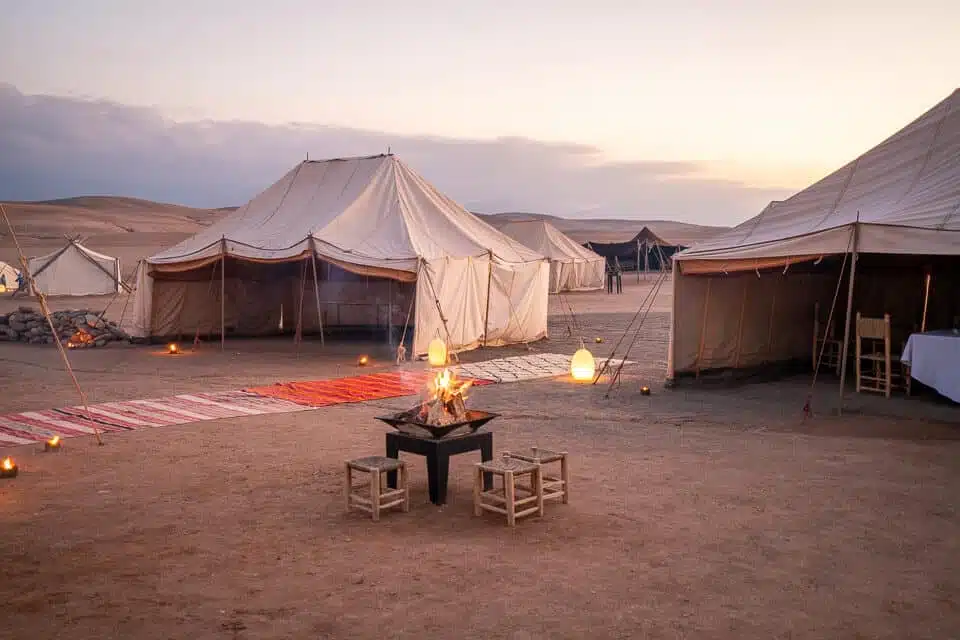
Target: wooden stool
[(554, 487), (376, 498), (504, 500)]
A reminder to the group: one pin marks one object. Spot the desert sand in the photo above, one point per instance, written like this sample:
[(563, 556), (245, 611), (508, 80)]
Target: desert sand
[(705, 512)]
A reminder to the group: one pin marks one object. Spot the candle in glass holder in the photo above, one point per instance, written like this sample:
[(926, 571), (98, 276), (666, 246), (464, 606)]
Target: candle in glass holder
[(53, 444), (8, 468)]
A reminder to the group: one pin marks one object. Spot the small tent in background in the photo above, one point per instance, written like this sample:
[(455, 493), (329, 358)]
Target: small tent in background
[(572, 267), (75, 270), (8, 282)]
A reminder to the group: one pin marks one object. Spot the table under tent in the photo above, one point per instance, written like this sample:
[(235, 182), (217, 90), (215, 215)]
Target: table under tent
[(344, 244), (870, 254)]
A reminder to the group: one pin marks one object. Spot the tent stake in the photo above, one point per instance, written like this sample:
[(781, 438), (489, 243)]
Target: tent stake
[(846, 328)]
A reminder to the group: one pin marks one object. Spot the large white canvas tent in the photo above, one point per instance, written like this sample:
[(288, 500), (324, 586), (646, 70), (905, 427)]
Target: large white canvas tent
[(862, 239), (356, 241), (572, 266), (75, 270), (9, 274)]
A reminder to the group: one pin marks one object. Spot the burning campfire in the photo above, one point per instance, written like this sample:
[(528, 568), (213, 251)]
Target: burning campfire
[(80, 339), (445, 400)]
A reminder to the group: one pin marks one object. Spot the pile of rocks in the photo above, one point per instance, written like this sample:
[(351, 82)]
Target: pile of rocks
[(29, 325)]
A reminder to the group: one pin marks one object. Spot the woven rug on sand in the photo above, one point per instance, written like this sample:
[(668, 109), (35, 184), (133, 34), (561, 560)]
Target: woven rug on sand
[(374, 386), (127, 415)]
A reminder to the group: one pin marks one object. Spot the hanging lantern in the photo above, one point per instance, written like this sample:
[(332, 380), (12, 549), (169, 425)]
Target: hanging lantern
[(437, 353), (582, 366)]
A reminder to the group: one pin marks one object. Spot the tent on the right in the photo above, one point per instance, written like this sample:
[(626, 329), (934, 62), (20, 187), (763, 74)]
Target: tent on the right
[(879, 236)]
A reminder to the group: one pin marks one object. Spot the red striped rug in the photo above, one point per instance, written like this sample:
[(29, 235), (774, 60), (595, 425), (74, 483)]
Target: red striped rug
[(374, 386)]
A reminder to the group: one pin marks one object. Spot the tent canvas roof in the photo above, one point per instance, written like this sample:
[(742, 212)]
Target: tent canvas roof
[(372, 211), (544, 238), (903, 194)]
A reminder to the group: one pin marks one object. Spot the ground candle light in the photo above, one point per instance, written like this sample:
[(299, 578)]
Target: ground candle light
[(582, 366), (53, 444), (644, 391), (362, 361), (173, 348), (8, 468)]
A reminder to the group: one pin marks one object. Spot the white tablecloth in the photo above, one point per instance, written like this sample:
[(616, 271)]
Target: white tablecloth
[(934, 359)]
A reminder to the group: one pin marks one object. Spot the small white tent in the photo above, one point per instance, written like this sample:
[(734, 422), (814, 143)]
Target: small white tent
[(75, 270), (353, 241), (9, 280), (572, 267), (747, 296)]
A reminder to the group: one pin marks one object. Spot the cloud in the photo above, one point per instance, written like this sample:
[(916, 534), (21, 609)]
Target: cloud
[(54, 146)]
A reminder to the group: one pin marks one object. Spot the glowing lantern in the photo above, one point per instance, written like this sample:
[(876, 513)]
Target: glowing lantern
[(53, 444), (437, 353), (8, 468), (582, 366), (362, 362), (173, 349), (644, 390), (598, 340)]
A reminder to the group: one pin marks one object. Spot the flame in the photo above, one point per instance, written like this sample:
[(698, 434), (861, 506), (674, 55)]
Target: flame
[(54, 441), (7, 464), (445, 385), (173, 348), (79, 338)]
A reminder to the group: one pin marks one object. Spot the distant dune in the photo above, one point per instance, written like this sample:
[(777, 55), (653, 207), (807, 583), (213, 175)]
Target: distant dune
[(133, 229), (612, 230)]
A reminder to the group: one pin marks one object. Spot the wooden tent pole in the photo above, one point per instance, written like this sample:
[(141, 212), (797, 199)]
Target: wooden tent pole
[(846, 328), (223, 294), (926, 301), (316, 287), (638, 263), (743, 308), (298, 334), (703, 326), (486, 313), (42, 299)]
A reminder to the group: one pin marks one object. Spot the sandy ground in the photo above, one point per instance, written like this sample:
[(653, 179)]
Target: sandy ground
[(695, 513)]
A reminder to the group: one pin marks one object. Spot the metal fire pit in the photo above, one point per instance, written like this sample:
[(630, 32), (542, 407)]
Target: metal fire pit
[(406, 422)]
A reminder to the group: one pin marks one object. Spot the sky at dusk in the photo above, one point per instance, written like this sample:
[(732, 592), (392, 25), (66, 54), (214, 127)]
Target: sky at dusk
[(695, 111)]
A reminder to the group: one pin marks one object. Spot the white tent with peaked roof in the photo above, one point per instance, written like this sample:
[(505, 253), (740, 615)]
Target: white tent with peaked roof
[(354, 241), (75, 270), (573, 267), (897, 206)]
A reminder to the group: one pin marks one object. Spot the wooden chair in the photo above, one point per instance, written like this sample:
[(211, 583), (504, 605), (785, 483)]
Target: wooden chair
[(874, 334), (831, 347), (372, 496)]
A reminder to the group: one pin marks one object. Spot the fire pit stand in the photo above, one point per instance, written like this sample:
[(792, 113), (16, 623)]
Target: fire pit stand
[(437, 452)]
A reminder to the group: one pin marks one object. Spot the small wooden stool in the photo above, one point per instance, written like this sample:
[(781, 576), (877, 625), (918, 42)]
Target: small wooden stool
[(554, 487), (376, 497), (504, 500)]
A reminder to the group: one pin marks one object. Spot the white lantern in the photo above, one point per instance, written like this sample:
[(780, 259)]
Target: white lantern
[(582, 366), (437, 353)]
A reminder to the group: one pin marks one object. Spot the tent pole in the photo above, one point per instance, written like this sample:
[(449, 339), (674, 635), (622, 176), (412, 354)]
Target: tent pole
[(846, 328), (223, 293), (486, 313), (646, 259), (638, 263), (743, 308), (926, 301), (703, 326), (316, 287)]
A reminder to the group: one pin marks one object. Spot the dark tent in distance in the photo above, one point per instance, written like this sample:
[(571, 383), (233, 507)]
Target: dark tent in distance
[(646, 251)]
